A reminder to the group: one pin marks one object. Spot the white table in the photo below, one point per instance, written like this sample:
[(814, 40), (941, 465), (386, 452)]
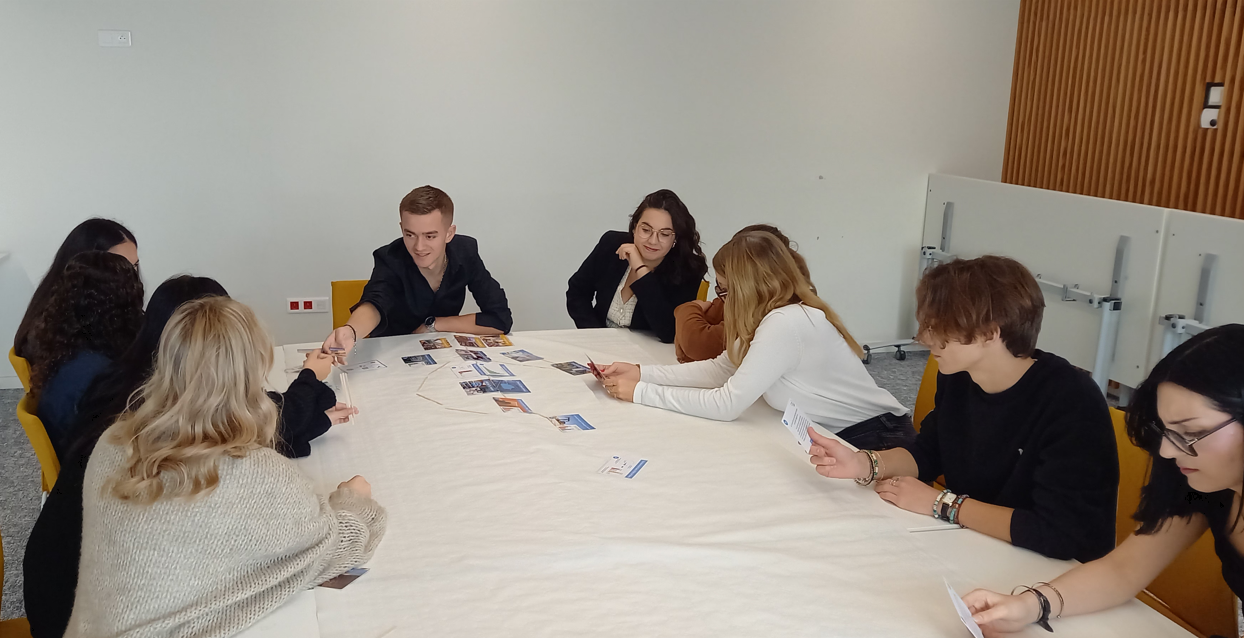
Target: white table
[(499, 524)]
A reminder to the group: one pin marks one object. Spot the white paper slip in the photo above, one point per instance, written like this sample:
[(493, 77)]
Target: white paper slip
[(964, 614), (365, 365), (622, 466), (466, 372), (798, 424)]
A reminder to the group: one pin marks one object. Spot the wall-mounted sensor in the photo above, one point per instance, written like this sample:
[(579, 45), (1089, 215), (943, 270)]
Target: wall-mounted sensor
[(1213, 95), (1209, 118)]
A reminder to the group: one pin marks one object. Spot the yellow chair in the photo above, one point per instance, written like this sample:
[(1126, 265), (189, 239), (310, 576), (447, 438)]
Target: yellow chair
[(703, 294), (14, 627), (346, 293), (21, 367), (924, 396), (1191, 591), (40, 441)]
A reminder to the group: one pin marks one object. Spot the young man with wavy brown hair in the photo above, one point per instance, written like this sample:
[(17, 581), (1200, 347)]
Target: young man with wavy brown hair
[(1023, 432)]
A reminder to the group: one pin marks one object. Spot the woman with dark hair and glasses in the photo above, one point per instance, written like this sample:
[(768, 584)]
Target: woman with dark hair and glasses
[(1189, 416), (635, 279)]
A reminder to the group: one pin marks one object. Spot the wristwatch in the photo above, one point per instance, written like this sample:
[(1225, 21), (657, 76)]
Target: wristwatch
[(430, 324)]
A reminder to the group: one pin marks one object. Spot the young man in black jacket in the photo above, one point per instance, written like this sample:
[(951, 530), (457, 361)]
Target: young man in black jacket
[(419, 282), (1023, 432)]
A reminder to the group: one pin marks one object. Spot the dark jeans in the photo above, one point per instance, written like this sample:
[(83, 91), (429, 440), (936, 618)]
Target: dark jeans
[(881, 432)]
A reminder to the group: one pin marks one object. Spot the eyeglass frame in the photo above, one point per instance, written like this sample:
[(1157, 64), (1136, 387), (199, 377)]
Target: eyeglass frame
[(639, 230), (719, 291), (1179, 442)]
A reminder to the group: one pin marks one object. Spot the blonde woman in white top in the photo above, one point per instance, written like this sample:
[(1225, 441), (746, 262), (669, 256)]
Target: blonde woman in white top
[(193, 525), (786, 343)]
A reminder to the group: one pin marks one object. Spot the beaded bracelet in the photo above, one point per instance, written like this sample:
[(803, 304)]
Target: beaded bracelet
[(937, 504), (875, 461), (954, 509)]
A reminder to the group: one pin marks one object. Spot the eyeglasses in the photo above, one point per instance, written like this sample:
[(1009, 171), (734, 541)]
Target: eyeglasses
[(1185, 445), (721, 292), (645, 231)]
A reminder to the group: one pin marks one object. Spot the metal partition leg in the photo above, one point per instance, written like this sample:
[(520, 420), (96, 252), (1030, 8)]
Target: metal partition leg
[(1107, 339)]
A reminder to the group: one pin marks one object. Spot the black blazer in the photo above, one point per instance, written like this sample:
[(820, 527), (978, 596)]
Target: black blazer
[(592, 287), (404, 299)]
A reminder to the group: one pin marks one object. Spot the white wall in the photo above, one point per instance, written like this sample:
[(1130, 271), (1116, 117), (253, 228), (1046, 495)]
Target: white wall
[(267, 143)]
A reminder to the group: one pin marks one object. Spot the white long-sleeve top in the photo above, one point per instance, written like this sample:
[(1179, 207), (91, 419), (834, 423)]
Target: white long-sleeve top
[(796, 354)]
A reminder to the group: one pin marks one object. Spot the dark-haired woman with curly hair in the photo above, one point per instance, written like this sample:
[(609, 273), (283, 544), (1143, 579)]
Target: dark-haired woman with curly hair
[(1189, 416), (92, 234), (93, 314), (635, 279)]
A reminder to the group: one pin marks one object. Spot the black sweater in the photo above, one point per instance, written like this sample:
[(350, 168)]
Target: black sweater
[(404, 299), (591, 290), (55, 545), (1044, 447)]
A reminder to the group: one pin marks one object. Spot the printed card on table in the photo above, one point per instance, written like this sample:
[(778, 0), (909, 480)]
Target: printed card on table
[(469, 342), (483, 386), (435, 344), (509, 404), (466, 372), (486, 386), (512, 386), (419, 360), (472, 355), (573, 368), (364, 365), (798, 424), (496, 341), (622, 466), (521, 356), (348, 577), (492, 369), (568, 422)]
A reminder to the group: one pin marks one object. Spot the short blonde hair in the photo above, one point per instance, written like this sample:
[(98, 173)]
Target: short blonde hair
[(205, 400), (762, 276)]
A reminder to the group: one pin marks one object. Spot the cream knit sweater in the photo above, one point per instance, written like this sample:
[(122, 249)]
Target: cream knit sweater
[(211, 566)]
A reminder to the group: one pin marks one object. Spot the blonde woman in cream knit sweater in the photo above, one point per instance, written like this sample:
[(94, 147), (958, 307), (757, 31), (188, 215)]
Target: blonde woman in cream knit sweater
[(193, 525)]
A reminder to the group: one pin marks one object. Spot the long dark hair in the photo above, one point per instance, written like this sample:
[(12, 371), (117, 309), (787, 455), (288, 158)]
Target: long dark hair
[(92, 234), (110, 392), (685, 260), (97, 305), (1210, 364)]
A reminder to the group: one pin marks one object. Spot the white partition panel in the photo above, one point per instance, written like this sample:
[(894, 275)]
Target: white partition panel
[(1066, 238), (1189, 236)]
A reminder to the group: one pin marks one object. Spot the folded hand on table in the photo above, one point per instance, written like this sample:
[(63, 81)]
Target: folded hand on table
[(340, 413), (620, 387), (909, 493), (358, 485), (1001, 614)]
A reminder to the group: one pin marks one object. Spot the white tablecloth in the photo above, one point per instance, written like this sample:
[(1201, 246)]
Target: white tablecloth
[(500, 525)]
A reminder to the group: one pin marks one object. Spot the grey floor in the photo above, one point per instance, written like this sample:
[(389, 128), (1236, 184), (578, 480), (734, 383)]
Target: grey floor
[(19, 470)]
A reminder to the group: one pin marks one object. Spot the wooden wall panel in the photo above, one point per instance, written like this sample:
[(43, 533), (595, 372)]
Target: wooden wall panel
[(1107, 95)]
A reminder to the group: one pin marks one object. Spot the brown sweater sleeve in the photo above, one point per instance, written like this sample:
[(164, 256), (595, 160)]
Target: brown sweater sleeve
[(699, 334)]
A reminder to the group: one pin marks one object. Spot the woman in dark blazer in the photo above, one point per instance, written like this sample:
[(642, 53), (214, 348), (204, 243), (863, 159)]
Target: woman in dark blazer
[(635, 279)]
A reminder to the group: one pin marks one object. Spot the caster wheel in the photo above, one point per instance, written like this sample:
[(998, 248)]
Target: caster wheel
[(868, 355), (901, 355)]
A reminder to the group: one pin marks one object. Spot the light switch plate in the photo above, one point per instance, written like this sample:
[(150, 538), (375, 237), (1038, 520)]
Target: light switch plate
[(109, 38)]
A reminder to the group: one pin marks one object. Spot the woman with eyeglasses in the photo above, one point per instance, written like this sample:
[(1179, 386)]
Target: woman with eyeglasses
[(786, 344), (699, 326), (635, 279), (1189, 416)]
